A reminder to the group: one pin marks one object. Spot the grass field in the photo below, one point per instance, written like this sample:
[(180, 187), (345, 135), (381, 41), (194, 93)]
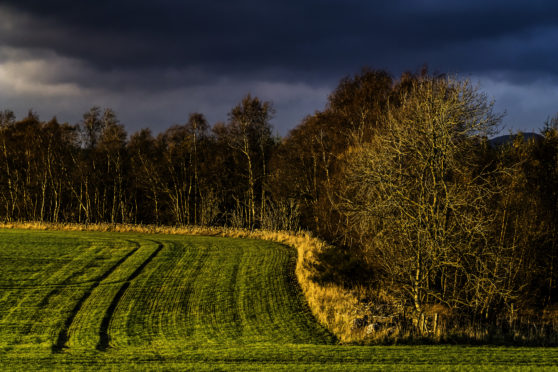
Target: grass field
[(116, 301)]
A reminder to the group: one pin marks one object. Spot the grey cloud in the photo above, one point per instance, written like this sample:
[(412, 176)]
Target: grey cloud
[(527, 104), (41, 81), (298, 35), (175, 56)]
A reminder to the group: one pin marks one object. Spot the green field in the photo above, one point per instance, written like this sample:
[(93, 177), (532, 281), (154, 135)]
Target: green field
[(85, 300)]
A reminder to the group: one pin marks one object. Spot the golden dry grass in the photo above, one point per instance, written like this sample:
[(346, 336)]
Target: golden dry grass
[(333, 306)]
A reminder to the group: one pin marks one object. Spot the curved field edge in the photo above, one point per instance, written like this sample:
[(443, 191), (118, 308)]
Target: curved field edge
[(254, 356), (154, 290), (333, 306)]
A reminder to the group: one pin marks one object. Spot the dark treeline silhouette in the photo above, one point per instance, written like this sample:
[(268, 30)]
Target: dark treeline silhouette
[(398, 174), (91, 172)]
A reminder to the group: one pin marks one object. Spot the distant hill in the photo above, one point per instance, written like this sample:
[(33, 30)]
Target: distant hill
[(509, 138)]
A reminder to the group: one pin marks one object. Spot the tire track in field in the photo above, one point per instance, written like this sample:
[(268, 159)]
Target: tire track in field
[(104, 337), (58, 287), (35, 287), (62, 338)]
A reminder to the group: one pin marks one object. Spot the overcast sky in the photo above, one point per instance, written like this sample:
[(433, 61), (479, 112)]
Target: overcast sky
[(154, 62)]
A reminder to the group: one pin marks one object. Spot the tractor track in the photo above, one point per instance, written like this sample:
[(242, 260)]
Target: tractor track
[(104, 337), (62, 338)]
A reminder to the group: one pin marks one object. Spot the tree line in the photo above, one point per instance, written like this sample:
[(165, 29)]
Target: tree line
[(398, 174), (94, 172)]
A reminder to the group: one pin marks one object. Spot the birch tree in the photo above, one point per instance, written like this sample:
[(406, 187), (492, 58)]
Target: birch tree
[(250, 135)]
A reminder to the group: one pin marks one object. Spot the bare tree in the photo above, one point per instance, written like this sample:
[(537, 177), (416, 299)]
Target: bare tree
[(249, 134), (7, 119), (415, 194)]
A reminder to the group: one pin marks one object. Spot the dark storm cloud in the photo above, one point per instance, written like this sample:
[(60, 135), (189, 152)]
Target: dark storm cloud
[(210, 53), (304, 35), (228, 34)]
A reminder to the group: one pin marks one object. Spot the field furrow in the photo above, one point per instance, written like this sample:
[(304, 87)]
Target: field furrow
[(85, 330), (129, 301), (164, 292), (63, 335), (104, 337)]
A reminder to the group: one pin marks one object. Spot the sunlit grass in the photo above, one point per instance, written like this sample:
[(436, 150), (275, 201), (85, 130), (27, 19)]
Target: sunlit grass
[(332, 305), (97, 300)]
